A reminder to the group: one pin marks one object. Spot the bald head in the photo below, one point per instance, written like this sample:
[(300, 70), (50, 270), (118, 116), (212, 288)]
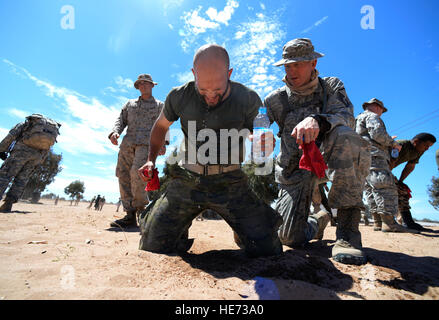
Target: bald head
[(211, 54), (212, 74)]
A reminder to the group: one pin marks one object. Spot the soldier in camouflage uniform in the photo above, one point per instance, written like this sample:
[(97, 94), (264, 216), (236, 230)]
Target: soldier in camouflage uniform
[(210, 103), (411, 152), (33, 139), (138, 115), (380, 190), (309, 108)]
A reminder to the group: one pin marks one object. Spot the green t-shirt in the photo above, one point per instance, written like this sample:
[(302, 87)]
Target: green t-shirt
[(408, 153), (237, 111)]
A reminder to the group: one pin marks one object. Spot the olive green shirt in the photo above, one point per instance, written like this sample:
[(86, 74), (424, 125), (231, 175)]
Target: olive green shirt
[(237, 111), (408, 153)]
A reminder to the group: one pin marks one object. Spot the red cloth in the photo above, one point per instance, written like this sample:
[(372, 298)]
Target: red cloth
[(154, 183), (312, 159)]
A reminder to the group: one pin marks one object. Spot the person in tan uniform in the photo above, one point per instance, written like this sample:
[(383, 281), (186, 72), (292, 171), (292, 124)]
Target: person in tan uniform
[(138, 116)]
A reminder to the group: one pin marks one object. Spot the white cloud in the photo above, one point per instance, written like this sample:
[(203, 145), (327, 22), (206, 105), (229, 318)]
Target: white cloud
[(3, 132), (316, 24), (262, 6), (170, 26), (124, 83), (195, 23), (184, 77), (88, 121), (18, 113), (225, 15), (255, 52)]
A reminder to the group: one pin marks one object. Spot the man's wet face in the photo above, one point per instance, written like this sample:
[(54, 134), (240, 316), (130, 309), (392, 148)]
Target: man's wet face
[(299, 73), (213, 97), (212, 81), (422, 146)]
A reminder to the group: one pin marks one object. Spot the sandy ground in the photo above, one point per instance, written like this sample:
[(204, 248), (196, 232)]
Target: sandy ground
[(68, 252)]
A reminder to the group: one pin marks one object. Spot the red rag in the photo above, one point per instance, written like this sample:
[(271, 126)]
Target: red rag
[(154, 183), (408, 191), (312, 159)]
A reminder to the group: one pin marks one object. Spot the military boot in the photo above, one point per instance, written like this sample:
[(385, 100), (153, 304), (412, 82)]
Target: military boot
[(322, 221), (390, 225), (130, 220), (377, 222), (348, 247), (7, 205), (408, 222)]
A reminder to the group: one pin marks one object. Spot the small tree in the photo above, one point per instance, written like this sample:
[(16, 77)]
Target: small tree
[(264, 186), (433, 192), (42, 176), (75, 189)]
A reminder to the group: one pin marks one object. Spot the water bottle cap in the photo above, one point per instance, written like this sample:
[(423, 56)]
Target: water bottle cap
[(262, 110)]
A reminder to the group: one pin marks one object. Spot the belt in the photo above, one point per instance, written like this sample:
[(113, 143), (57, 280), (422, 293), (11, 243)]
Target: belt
[(208, 170)]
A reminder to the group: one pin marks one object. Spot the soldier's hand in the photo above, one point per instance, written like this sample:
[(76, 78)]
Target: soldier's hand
[(397, 146), (3, 156), (306, 131), (114, 137), (145, 171)]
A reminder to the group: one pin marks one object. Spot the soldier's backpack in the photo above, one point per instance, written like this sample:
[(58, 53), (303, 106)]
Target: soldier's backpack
[(40, 132)]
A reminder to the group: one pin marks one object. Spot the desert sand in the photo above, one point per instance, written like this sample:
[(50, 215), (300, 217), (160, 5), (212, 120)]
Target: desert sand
[(70, 252)]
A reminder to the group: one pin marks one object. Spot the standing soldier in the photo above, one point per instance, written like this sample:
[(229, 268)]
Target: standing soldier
[(380, 190), (138, 115), (33, 140), (307, 109), (411, 152)]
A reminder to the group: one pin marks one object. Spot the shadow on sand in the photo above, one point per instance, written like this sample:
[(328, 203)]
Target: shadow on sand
[(417, 273), (309, 267)]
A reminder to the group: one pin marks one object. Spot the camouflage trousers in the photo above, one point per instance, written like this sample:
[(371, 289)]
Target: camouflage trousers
[(347, 155), (380, 190), (19, 166), (166, 222), (132, 188), (403, 197)]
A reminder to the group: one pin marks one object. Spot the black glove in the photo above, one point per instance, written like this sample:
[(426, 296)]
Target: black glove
[(3, 155)]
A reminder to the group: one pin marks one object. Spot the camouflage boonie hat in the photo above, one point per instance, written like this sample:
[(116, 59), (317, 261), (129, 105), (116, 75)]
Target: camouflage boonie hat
[(375, 100), (143, 77), (300, 49)]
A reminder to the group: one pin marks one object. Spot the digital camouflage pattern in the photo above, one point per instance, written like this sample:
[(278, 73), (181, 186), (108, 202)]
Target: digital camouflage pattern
[(380, 190), (296, 50), (403, 196), (138, 116), (19, 166), (164, 223), (344, 151), (371, 127)]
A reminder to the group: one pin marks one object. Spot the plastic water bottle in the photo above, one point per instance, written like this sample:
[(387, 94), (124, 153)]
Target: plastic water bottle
[(261, 124), (394, 153)]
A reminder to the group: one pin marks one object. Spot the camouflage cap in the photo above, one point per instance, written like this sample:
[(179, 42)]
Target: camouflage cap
[(143, 77), (300, 49), (375, 100)]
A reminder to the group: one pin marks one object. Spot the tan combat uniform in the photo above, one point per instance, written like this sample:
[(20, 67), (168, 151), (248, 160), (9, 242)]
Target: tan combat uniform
[(138, 116)]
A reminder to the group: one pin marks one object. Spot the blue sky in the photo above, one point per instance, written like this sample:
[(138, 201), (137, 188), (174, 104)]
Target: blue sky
[(81, 77)]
